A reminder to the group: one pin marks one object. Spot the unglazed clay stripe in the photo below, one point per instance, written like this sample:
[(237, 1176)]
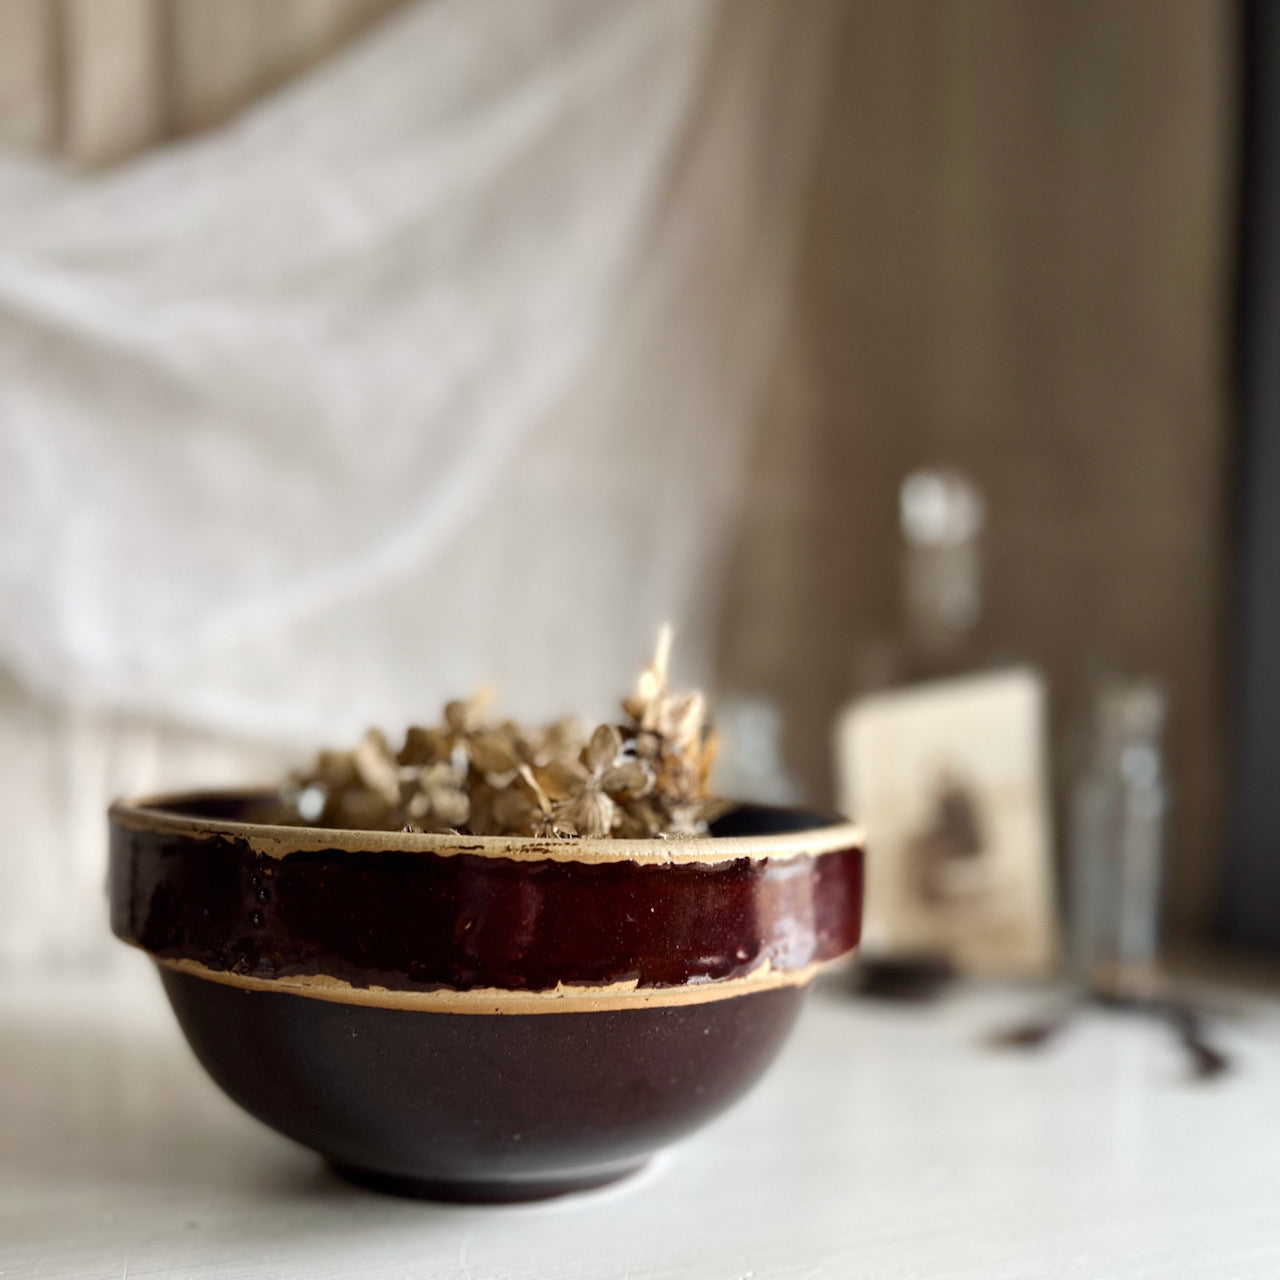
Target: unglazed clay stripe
[(490, 1000), (279, 842)]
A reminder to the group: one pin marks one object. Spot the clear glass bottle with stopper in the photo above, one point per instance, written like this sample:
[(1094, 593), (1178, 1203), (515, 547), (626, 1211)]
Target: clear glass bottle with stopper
[(941, 514)]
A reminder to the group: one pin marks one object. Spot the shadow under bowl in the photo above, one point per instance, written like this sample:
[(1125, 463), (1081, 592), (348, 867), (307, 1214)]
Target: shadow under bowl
[(489, 1019)]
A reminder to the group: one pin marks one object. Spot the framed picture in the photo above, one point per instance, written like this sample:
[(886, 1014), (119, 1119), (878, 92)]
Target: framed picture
[(948, 781)]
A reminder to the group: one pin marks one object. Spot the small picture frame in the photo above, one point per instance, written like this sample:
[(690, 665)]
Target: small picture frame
[(948, 781)]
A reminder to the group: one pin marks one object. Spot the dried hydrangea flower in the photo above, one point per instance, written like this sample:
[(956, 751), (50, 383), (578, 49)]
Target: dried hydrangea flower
[(463, 720), (590, 813), (524, 808), (639, 820), (425, 746), (647, 777), (439, 796), (671, 737), (591, 791), (494, 752), (562, 740)]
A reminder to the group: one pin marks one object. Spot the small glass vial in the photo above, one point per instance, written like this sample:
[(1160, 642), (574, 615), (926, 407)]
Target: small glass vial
[(1116, 845)]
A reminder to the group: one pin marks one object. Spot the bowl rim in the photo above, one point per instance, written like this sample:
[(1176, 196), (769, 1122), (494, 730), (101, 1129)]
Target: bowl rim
[(159, 814)]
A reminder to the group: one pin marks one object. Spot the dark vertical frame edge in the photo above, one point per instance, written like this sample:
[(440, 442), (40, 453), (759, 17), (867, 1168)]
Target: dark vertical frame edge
[(1251, 898)]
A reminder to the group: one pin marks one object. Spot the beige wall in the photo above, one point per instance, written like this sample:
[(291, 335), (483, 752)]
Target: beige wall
[(1019, 263), (99, 79)]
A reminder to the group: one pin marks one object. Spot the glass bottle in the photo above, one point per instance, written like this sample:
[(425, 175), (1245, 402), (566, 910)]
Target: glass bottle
[(1116, 844)]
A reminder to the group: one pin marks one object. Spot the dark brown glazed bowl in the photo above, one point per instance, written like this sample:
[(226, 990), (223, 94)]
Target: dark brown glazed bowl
[(481, 1018)]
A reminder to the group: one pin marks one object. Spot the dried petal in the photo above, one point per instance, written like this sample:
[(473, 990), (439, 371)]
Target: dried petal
[(646, 699), (603, 748), (361, 810), (685, 820), (377, 768), (443, 774), (712, 807), (591, 814), (640, 820), (710, 748), (335, 768), (682, 719), (424, 746), (522, 808), (451, 806), (492, 752), (466, 716), (514, 809), (562, 740), (662, 651), (562, 779), (633, 778), (482, 821)]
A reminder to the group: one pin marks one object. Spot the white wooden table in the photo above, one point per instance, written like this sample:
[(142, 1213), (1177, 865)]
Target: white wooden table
[(888, 1142)]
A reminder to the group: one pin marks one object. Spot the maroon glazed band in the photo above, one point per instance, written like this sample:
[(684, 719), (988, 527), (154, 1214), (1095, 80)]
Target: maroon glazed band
[(191, 882)]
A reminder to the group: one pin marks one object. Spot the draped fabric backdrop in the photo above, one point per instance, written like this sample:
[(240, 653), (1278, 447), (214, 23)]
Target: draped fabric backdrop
[(436, 368)]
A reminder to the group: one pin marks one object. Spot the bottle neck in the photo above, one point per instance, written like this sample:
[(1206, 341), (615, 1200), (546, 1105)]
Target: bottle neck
[(942, 604)]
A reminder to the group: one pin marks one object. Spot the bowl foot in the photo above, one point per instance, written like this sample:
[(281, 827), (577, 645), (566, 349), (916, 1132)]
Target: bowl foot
[(483, 1191)]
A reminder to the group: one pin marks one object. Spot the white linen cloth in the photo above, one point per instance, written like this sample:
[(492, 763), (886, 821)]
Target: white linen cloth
[(436, 368)]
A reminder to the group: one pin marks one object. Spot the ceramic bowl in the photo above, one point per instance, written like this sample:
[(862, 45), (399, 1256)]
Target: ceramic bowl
[(481, 1018)]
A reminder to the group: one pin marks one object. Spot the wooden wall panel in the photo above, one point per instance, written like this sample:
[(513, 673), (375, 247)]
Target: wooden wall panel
[(114, 78), (1018, 263), (98, 80), (227, 52), (30, 95)]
